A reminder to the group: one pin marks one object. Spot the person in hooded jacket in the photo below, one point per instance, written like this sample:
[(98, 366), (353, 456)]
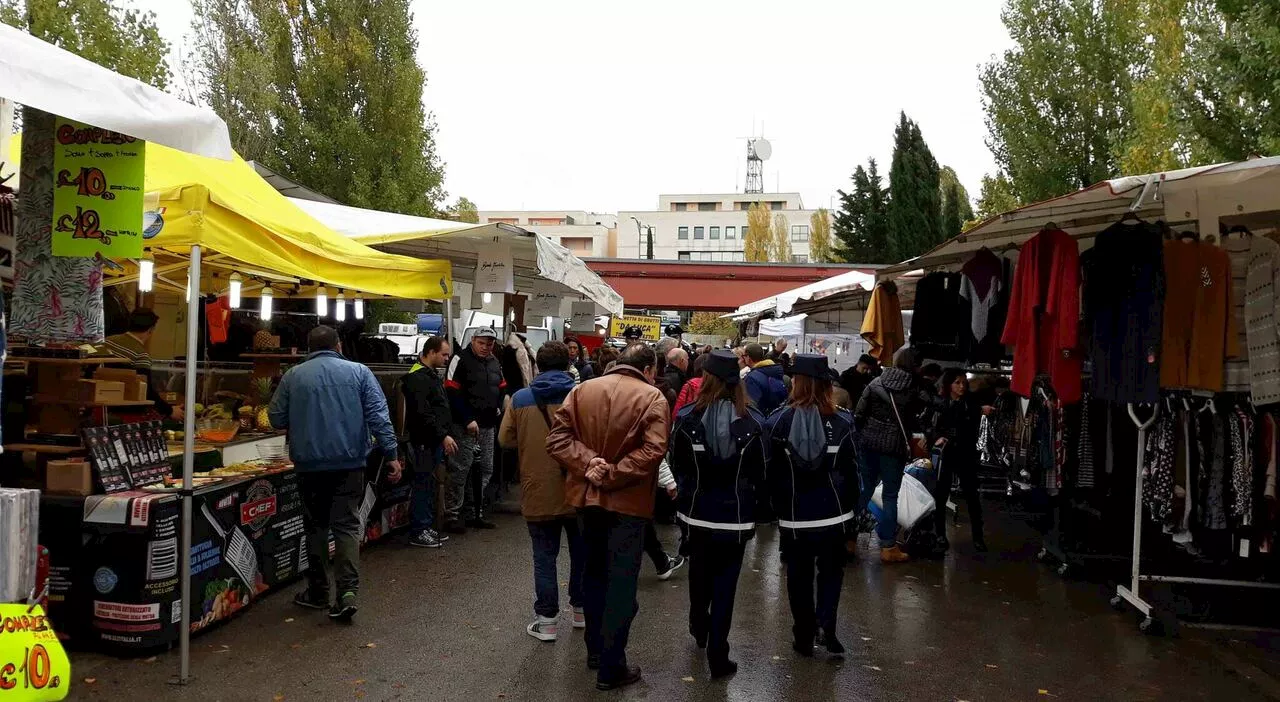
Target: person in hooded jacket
[(813, 480), (886, 417), (765, 386), (717, 455)]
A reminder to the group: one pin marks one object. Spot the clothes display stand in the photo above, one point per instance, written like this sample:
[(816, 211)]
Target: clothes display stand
[(1152, 616)]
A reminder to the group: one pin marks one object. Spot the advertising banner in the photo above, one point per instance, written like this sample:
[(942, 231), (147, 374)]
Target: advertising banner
[(98, 192), (651, 326)]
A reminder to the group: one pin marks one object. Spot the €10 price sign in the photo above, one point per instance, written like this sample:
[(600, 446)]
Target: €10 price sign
[(33, 665)]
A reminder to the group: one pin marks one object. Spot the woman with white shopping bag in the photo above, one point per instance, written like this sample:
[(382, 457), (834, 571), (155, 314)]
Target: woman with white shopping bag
[(886, 417), (813, 481)]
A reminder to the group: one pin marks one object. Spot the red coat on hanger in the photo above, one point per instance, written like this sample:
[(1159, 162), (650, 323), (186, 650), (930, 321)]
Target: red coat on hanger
[(1044, 315)]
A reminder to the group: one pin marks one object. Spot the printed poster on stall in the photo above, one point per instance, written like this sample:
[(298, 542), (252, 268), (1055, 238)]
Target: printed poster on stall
[(98, 192), (650, 327), (583, 319), (494, 270)]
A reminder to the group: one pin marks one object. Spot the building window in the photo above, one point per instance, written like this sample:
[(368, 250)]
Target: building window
[(691, 207), (699, 232), (503, 220), (545, 221), (579, 245), (682, 233), (800, 232), (742, 206), (777, 205), (708, 206), (739, 256), (714, 232), (730, 232), (682, 256), (799, 258), (745, 230)]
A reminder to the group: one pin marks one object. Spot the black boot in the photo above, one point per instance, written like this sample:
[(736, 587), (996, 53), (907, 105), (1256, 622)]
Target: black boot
[(827, 639), (721, 666)]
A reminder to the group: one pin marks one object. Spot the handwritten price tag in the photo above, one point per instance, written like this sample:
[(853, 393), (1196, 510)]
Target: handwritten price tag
[(97, 194), (33, 666)]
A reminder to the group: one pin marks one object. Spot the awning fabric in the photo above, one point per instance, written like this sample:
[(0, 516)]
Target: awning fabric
[(782, 303), (1092, 209), (39, 74), (226, 207), (540, 264)]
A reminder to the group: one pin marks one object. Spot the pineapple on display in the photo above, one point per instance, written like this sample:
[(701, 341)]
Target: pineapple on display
[(262, 390)]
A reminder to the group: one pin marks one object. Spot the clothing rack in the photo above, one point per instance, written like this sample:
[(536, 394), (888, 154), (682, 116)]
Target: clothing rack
[(1131, 592)]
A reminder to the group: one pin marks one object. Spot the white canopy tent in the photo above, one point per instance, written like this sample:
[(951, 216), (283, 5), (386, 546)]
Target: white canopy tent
[(781, 304), (43, 76), (1241, 192), (540, 264)]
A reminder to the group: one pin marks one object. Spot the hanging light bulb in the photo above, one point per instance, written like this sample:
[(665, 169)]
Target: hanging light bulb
[(236, 282), (322, 302), (487, 298), (265, 311), (188, 285), (340, 307), (359, 307), (146, 274)]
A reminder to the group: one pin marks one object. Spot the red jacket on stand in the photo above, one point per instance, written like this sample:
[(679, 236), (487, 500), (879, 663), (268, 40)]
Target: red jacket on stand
[(1044, 315)]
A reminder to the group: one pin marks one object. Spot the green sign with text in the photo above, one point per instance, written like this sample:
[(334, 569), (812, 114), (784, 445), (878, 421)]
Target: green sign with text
[(97, 193)]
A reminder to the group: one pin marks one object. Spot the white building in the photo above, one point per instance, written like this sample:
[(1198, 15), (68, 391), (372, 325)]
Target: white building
[(708, 227), (585, 234)]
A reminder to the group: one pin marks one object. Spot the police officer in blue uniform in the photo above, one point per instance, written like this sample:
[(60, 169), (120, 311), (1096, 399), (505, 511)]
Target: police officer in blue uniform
[(717, 455), (813, 480)]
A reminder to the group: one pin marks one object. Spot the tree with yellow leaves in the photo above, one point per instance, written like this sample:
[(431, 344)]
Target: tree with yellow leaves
[(757, 242), (820, 237), (781, 238)]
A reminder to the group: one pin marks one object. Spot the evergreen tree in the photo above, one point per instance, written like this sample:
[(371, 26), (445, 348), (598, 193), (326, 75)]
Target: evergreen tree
[(861, 225), (915, 203), (326, 91), (952, 220)]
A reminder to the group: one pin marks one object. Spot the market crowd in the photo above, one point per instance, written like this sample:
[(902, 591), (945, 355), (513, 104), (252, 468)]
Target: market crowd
[(731, 438)]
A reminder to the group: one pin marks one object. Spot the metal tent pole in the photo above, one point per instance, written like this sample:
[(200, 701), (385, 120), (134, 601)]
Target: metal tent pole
[(448, 319), (188, 461)]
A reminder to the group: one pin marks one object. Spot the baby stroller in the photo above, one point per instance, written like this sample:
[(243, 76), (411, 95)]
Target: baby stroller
[(916, 504)]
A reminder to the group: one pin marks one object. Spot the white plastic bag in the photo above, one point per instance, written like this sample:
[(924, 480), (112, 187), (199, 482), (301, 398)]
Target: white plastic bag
[(914, 501)]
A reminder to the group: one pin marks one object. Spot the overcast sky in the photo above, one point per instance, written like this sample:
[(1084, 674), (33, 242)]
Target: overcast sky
[(589, 105)]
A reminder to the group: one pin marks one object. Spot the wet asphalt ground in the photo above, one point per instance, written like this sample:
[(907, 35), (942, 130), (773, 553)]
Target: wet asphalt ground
[(448, 624)]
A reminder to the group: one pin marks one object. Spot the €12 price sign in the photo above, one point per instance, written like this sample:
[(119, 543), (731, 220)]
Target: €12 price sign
[(33, 665), (97, 191)]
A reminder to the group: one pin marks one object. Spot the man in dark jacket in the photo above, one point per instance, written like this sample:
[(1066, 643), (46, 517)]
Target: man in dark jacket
[(427, 421), (474, 384), (677, 369), (329, 406), (855, 378), (886, 417), (764, 383)]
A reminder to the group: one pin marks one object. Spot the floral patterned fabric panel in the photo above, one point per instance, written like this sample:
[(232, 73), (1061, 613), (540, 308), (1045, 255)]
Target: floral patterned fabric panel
[(54, 299)]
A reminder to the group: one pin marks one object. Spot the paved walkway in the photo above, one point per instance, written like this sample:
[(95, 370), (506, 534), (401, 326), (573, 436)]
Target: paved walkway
[(449, 625)]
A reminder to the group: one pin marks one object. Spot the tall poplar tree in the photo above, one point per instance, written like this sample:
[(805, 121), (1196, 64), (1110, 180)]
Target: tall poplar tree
[(327, 91)]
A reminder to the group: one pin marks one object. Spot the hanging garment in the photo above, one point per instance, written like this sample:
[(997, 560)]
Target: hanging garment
[(1124, 290), (1241, 470), (1184, 479), (1084, 451), (938, 318), (1044, 312), (1212, 439), (984, 287), (1260, 320), (882, 325), (1199, 327), (1157, 469), (217, 315), (1235, 371)]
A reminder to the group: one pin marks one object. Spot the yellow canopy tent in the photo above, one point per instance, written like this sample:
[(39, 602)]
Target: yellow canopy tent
[(228, 209)]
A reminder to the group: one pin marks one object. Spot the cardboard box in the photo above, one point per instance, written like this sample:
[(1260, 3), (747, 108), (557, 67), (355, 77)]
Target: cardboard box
[(70, 477), (101, 391), (131, 380)]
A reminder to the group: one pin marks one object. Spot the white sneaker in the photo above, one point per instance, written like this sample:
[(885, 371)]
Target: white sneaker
[(542, 628), (579, 618), (674, 563)]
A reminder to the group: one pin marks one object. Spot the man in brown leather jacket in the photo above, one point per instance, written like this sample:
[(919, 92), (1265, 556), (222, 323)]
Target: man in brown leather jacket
[(610, 436)]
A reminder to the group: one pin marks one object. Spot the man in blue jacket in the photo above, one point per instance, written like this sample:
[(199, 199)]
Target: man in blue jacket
[(330, 406), (764, 382)]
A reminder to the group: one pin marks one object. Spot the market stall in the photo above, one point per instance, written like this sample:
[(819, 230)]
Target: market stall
[(1138, 315)]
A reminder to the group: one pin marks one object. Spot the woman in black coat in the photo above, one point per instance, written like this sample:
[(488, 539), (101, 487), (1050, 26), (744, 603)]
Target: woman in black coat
[(955, 431), (717, 456)]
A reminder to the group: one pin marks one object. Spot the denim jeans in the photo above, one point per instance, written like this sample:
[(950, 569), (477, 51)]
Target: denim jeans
[(423, 501), (886, 468), (331, 502), (545, 536), (615, 547)]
